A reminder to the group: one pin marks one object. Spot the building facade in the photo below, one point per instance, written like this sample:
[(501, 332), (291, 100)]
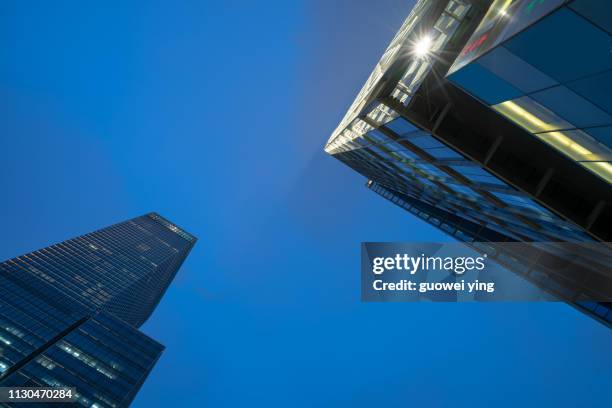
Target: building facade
[(70, 313), (467, 113), (575, 284)]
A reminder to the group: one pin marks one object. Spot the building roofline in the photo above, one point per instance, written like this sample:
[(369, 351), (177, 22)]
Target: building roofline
[(172, 226)]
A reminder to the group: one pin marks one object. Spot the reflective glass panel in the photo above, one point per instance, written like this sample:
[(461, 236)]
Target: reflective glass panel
[(578, 145), (531, 115)]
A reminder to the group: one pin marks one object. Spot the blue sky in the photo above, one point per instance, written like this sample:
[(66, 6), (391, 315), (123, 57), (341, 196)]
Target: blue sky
[(215, 114)]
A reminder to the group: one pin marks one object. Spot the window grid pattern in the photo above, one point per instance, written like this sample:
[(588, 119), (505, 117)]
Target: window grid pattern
[(427, 176), (522, 57), (69, 312), (446, 24), (476, 233), (124, 268), (105, 359)]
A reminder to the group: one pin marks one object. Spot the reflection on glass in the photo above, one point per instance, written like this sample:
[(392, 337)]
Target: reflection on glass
[(602, 169), (577, 145), (457, 9), (504, 19), (602, 134), (420, 11), (547, 127), (531, 115)]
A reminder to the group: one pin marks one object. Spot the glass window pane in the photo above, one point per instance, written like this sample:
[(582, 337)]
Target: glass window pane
[(376, 136), (482, 83), (478, 175), (595, 10), (596, 88), (457, 9), (425, 141), (531, 115), (515, 71), (407, 155), (602, 134), (525, 202), (563, 45), (572, 107), (503, 19), (444, 153), (577, 145), (432, 170), (401, 126)]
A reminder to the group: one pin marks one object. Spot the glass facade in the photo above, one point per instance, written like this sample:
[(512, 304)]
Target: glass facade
[(419, 139), (103, 358), (504, 19), (477, 234), (415, 163), (69, 312), (546, 65), (428, 20)]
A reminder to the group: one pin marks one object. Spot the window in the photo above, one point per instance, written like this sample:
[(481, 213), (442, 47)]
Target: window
[(444, 153), (572, 107), (560, 134), (401, 126), (601, 134), (563, 45), (578, 145), (531, 115), (515, 71), (478, 175)]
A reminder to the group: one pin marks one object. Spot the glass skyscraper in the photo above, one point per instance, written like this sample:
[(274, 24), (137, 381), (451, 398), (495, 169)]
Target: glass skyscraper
[(70, 313), (494, 115)]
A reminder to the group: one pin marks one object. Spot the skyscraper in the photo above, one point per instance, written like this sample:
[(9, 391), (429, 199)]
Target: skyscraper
[(480, 111), (70, 313)]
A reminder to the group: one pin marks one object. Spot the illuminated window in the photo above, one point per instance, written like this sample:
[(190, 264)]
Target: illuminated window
[(90, 361)]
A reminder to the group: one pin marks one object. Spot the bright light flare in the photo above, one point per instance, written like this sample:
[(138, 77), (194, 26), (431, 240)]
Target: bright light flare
[(423, 46)]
